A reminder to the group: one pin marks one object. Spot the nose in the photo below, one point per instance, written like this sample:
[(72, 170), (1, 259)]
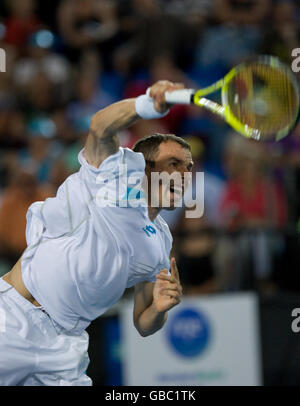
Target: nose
[(187, 178)]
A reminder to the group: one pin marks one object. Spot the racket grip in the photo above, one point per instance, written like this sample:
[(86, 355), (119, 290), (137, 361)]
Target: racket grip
[(182, 96)]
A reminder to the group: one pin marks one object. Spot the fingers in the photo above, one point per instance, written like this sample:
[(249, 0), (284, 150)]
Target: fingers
[(174, 273), (174, 269), (166, 277), (164, 284), (168, 283), (157, 91), (173, 295), (167, 291)]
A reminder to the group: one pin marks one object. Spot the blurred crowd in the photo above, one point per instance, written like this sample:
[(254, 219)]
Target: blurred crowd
[(67, 59)]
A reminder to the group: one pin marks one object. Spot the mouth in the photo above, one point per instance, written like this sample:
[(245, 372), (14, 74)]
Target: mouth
[(178, 191)]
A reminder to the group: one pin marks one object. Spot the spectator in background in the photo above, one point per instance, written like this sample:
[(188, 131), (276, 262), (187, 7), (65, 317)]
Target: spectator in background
[(192, 11), (21, 22), (134, 14), (110, 82), (282, 34), (155, 33), (236, 36), (194, 247), (89, 97), (38, 97), (88, 23), (40, 58), (41, 152), (67, 162), (8, 96), (90, 62), (65, 134), (253, 208), (12, 139), (291, 154), (244, 12), (250, 199), (22, 191), (12, 128)]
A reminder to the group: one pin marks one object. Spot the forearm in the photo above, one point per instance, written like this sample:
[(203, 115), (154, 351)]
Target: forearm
[(150, 321), (114, 118)]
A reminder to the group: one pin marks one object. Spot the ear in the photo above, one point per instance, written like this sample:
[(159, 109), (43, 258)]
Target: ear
[(150, 165)]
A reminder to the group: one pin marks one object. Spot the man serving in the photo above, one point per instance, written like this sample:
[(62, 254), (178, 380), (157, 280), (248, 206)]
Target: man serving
[(82, 255)]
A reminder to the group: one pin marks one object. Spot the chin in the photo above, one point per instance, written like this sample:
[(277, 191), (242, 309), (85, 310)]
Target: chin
[(170, 208)]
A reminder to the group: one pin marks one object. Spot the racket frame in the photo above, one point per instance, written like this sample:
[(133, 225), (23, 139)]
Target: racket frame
[(197, 97)]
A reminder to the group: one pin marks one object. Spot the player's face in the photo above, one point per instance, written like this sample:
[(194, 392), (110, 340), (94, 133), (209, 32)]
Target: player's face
[(174, 160)]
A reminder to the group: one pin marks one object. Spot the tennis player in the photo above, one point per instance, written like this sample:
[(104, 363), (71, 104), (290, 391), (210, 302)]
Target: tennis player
[(82, 255)]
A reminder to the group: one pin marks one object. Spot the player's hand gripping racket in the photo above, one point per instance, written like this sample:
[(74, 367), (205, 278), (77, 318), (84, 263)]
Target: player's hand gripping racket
[(260, 98)]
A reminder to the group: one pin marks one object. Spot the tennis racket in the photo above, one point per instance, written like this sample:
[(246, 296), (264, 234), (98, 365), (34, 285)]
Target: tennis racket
[(259, 98)]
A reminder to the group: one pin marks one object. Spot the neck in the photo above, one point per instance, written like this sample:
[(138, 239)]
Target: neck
[(153, 212)]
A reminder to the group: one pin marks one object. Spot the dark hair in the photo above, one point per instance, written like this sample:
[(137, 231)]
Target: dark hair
[(149, 145)]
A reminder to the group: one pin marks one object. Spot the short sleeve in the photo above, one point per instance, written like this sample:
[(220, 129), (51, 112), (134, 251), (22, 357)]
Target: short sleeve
[(118, 179), (124, 156)]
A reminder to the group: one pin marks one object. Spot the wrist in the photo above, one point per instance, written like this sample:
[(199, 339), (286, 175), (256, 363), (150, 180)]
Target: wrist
[(157, 312), (144, 106)]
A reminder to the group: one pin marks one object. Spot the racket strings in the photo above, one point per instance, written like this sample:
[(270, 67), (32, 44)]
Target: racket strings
[(263, 97)]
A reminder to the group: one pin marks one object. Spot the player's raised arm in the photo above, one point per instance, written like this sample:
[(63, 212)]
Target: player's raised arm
[(102, 140)]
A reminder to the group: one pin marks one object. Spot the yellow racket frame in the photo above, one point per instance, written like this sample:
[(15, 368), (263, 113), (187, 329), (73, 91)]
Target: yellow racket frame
[(224, 109)]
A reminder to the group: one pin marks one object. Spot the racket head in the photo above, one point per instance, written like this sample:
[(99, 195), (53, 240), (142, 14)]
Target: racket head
[(261, 98)]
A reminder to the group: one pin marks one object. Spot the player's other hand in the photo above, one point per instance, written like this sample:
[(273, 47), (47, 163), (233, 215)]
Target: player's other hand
[(167, 291), (157, 92)]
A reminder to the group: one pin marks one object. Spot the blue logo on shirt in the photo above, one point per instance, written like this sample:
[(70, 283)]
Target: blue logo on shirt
[(189, 332), (149, 230)]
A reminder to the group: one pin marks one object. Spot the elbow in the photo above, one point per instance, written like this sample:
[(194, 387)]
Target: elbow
[(93, 124), (147, 332), (97, 125), (141, 332)]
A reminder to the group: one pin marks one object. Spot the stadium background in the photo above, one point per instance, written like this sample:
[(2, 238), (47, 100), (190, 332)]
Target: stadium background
[(67, 59)]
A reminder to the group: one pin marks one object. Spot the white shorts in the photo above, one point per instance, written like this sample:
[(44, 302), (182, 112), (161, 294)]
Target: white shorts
[(34, 349)]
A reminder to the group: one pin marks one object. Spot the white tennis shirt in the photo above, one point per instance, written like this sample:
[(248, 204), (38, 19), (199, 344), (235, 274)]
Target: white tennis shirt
[(81, 256)]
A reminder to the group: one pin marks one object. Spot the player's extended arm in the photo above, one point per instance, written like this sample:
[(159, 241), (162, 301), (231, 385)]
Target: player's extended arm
[(153, 300), (102, 140)]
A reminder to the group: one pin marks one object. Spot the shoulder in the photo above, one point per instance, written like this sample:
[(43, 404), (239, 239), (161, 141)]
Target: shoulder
[(133, 160)]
